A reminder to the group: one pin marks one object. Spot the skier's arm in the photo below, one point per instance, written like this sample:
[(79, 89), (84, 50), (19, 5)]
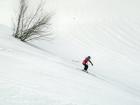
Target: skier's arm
[(91, 62)]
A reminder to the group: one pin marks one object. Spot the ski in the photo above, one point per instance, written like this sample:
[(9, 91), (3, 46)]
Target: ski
[(85, 71)]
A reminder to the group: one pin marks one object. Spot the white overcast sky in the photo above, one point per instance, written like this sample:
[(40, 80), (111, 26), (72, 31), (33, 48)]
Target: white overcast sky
[(83, 10)]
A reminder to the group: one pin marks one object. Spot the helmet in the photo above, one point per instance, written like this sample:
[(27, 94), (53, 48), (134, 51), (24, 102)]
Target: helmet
[(89, 57)]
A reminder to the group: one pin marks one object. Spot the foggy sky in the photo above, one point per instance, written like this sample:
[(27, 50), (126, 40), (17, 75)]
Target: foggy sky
[(82, 10)]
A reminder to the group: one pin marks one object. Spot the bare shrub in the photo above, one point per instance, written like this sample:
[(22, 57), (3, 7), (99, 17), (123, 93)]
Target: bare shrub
[(29, 26)]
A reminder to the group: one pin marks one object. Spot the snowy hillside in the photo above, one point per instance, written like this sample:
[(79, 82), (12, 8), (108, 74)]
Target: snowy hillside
[(46, 72), (30, 76)]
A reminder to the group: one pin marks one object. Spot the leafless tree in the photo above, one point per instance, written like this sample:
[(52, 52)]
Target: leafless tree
[(29, 26)]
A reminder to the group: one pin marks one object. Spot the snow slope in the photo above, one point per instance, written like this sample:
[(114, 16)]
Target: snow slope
[(29, 76), (49, 72)]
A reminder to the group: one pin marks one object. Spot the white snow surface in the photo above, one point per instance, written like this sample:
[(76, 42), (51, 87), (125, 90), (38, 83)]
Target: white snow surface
[(48, 72)]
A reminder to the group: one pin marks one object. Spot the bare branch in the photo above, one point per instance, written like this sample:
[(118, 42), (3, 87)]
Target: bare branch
[(31, 26)]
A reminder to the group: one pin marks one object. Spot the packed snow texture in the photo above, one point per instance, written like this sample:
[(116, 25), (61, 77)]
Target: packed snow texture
[(49, 72)]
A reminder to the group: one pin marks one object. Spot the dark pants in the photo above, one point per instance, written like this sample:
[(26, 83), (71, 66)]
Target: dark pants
[(85, 67)]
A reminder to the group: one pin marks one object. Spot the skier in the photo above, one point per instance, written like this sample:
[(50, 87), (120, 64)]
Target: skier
[(85, 63)]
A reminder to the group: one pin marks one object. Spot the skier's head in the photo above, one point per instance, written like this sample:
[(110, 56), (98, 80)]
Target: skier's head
[(89, 57)]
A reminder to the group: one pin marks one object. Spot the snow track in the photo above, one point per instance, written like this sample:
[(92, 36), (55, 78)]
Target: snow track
[(45, 72)]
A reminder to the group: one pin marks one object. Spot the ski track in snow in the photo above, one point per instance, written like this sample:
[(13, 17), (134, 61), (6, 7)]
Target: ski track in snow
[(99, 76), (122, 45)]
